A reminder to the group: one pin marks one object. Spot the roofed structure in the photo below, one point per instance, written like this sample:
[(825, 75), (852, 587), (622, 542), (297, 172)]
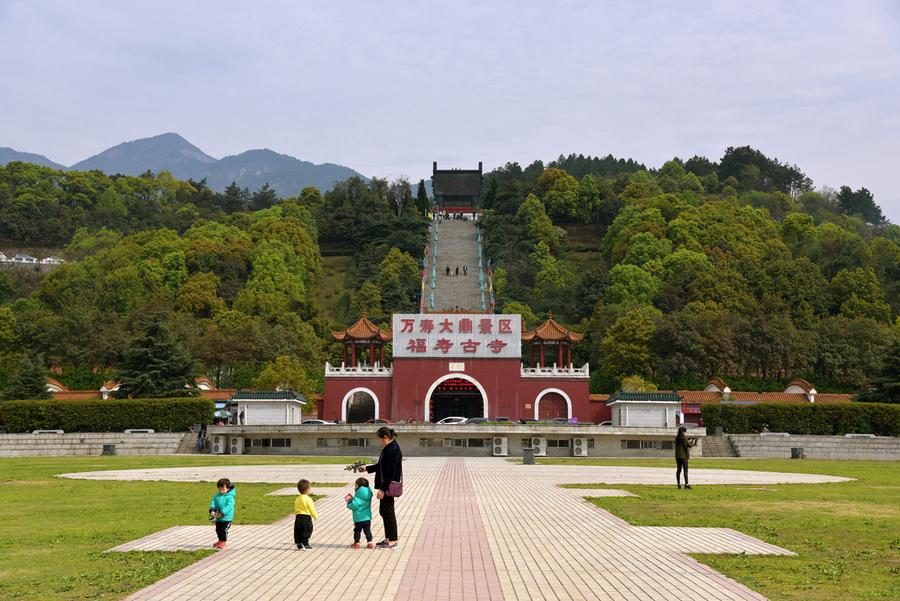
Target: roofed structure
[(552, 337), (549, 331), (363, 329), (456, 189)]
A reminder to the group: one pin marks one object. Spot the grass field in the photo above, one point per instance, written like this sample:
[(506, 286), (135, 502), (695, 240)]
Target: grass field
[(54, 531), (846, 535)]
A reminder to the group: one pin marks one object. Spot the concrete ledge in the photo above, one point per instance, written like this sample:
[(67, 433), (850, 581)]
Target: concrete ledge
[(89, 443), (817, 447)]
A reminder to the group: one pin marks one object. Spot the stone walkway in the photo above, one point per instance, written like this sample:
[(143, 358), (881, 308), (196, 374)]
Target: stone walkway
[(479, 529)]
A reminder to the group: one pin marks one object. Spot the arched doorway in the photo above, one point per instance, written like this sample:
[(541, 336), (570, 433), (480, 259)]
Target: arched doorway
[(552, 404), (360, 405), (456, 395)]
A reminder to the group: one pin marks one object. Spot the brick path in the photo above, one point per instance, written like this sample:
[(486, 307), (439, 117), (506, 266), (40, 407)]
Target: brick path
[(469, 529)]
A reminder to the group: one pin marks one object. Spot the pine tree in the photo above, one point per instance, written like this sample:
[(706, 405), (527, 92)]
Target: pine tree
[(29, 381), (156, 365)]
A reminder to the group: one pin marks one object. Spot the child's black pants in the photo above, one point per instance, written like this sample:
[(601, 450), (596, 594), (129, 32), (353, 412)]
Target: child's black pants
[(303, 528), (222, 530), (365, 527)]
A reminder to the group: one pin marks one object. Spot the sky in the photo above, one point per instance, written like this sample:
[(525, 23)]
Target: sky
[(388, 87)]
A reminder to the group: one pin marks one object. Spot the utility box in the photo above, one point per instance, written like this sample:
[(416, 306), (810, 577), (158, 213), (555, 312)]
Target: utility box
[(108, 449)]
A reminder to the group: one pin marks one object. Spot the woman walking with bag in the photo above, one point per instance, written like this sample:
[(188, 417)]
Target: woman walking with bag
[(388, 482)]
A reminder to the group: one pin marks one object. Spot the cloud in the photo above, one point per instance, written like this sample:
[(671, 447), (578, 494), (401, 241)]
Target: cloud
[(388, 87)]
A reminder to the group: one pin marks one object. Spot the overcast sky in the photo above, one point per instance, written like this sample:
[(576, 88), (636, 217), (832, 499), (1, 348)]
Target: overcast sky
[(388, 87)]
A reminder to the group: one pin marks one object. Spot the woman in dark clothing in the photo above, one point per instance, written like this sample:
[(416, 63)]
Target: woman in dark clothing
[(388, 469), (683, 446)]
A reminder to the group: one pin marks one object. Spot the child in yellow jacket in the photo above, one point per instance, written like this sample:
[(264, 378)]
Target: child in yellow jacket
[(305, 509)]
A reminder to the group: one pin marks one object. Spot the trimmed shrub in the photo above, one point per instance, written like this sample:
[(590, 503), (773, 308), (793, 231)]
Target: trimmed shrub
[(838, 419), (112, 415)]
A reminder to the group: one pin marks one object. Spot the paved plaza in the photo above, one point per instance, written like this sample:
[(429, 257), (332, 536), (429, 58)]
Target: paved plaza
[(479, 529)]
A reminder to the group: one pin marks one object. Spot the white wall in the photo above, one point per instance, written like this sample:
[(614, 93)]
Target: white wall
[(653, 415), (270, 413)]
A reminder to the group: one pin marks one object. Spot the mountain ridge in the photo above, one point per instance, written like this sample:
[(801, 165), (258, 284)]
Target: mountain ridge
[(173, 153)]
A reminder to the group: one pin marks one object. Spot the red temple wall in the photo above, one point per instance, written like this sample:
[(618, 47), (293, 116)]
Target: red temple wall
[(509, 395)]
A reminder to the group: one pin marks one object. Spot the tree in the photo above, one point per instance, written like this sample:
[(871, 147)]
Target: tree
[(885, 388), (625, 349), (422, 202), (29, 380), (263, 198), (861, 203), (637, 384), (285, 373), (156, 365), (630, 285)]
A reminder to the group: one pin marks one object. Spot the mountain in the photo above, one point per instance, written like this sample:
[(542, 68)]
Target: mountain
[(287, 175), (251, 169), (8, 155), (166, 151)]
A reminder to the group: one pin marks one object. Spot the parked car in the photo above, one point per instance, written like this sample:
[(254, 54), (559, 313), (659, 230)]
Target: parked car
[(452, 420), (316, 422), (477, 420), (607, 423), (377, 421)]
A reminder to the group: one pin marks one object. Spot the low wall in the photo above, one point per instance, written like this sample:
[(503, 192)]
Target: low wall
[(816, 447), (88, 443), (450, 440)]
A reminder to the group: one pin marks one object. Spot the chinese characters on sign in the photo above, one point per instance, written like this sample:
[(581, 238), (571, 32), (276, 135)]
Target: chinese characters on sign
[(478, 336)]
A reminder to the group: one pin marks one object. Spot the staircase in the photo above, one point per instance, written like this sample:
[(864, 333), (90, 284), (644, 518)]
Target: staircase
[(457, 247), (718, 446)]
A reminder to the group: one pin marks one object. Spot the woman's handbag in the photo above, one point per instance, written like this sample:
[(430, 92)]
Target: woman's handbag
[(395, 489)]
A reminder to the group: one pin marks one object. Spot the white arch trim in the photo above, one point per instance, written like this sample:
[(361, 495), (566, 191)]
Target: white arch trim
[(349, 396), (546, 391), (442, 379)]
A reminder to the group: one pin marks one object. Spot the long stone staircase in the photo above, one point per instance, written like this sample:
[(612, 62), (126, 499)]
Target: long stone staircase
[(457, 247)]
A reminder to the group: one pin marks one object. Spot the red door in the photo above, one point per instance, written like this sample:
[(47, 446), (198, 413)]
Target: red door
[(552, 405)]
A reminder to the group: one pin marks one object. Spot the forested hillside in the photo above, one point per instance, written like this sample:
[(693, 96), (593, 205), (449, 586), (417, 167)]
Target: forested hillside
[(735, 268)]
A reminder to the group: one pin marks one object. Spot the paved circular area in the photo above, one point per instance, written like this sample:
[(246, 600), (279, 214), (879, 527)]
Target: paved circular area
[(559, 474)]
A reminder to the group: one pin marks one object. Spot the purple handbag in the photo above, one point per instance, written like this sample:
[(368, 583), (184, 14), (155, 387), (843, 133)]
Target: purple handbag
[(395, 489)]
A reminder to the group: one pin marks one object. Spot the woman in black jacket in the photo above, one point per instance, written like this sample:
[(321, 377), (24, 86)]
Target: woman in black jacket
[(388, 469)]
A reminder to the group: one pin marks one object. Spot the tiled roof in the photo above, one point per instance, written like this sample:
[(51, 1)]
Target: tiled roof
[(75, 395), (56, 384), (801, 383), (267, 395), (364, 329), (660, 397), (699, 396), (829, 398), (717, 382), (551, 330), (219, 394)]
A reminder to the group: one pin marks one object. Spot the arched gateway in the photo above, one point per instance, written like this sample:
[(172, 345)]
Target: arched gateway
[(455, 395), (359, 406)]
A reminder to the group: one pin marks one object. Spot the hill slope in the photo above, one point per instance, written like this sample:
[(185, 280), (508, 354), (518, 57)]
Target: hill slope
[(167, 151), (8, 155)]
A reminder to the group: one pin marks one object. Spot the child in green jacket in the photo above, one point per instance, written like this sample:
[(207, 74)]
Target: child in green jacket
[(360, 504), (221, 509)]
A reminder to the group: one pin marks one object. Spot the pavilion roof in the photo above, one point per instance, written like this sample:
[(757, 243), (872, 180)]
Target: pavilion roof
[(551, 330), (363, 329)]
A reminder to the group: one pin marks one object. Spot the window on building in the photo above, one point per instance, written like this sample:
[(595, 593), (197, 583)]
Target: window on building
[(356, 442), (631, 444), (668, 445), (479, 442), (559, 443), (281, 442)]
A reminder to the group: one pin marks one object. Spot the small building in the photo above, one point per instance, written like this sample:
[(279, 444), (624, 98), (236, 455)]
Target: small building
[(267, 408), (645, 409), (456, 190)]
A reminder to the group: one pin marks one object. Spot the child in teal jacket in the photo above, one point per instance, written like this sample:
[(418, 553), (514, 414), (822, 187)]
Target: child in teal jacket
[(221, 509), (360, 503)]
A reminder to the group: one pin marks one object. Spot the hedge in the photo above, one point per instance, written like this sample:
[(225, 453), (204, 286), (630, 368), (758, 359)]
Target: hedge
[(838, 419), (112, 415)]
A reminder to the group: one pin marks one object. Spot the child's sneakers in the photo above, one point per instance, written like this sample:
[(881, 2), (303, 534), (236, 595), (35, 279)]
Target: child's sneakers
[(370, 546), (354, 546)]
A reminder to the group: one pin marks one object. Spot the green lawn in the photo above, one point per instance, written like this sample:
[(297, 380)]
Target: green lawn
[(53, 531), (846, 535)]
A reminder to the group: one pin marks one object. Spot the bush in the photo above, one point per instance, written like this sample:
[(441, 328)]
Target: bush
[(838, 419), (112, 415)]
